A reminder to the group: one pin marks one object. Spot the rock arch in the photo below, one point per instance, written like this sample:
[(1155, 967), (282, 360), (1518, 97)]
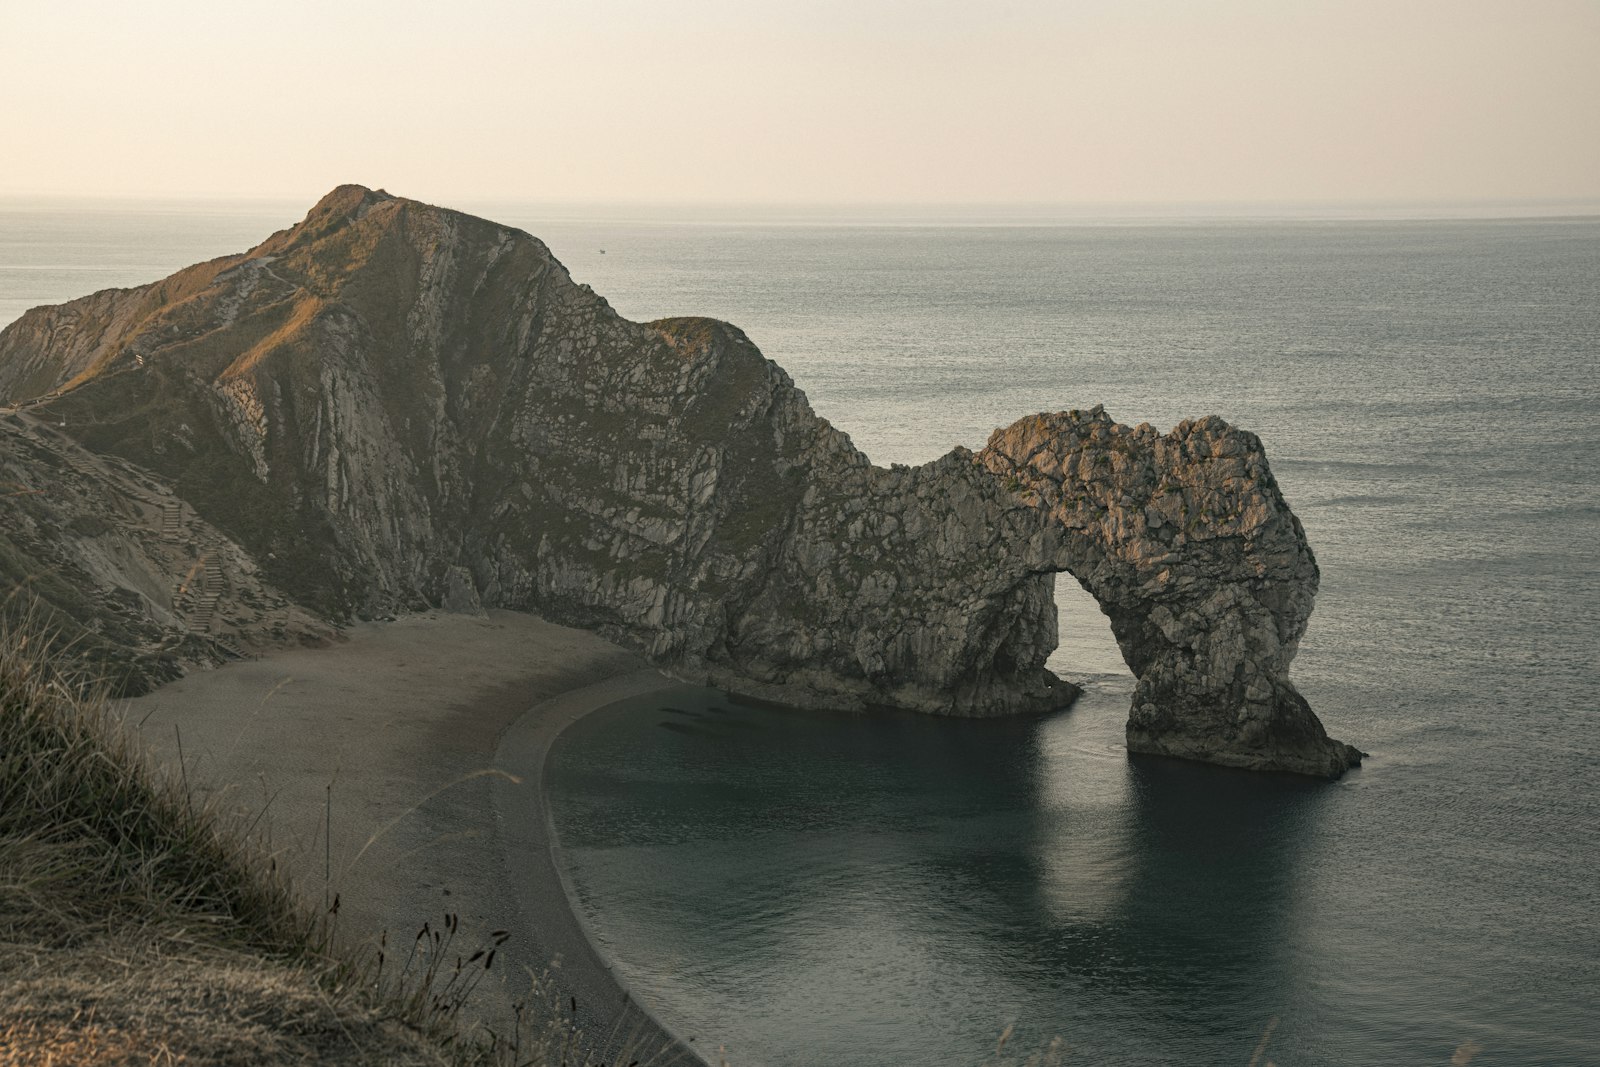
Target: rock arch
[(1188, 546), (932, 587)]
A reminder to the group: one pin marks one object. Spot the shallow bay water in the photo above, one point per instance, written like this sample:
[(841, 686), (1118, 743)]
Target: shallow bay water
[(806, 887)]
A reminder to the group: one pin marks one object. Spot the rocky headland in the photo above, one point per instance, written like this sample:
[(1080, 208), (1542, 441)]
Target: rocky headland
[(393, 406)]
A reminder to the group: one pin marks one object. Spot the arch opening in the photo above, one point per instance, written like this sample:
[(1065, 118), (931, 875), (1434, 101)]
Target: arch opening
[(1085, 645)]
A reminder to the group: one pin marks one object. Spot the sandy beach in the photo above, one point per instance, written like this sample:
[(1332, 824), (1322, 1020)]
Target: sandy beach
[(401, 770)]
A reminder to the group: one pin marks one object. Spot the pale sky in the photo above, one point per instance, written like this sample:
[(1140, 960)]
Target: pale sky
[(982, 101)]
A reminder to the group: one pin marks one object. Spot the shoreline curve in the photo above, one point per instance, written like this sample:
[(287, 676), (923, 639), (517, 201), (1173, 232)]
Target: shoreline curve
[(395, 766), (532, 852)]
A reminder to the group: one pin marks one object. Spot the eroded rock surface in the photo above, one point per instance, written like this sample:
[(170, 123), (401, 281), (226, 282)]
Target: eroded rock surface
[(1188, 546), (392, 405), (136, 586)]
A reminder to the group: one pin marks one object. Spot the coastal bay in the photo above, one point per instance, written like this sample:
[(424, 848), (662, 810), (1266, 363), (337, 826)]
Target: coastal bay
[(769, 536), (1421, 388)]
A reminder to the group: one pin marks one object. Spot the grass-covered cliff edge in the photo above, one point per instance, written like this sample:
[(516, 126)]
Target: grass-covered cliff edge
[(121, 900), (392, 405)]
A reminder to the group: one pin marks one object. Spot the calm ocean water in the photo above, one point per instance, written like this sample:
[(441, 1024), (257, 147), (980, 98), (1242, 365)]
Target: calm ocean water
[(809, 888)]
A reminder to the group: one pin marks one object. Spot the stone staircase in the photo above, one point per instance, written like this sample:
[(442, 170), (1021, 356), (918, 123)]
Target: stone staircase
[(228, 646), (171, 520), (205, 601)]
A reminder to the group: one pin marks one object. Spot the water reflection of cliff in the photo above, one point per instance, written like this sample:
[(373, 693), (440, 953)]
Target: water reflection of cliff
[(1172, 884), (778, 858)]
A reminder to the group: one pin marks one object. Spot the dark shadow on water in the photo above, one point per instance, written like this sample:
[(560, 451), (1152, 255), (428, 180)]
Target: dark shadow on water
[(1216, 861), (1132, 903), (1170, 910)]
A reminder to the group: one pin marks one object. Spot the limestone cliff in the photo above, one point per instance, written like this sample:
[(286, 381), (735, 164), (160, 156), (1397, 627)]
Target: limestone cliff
[(391, 405)]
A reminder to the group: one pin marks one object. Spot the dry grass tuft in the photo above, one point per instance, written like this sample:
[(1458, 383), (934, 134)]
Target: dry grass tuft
[(90, 845), (128, 1004)]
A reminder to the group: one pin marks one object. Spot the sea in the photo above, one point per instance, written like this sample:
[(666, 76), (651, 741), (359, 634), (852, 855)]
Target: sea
[(789, 888)]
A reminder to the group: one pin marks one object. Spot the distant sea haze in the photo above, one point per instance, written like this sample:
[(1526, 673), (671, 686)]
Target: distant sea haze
[(830, 889), (57, 248)]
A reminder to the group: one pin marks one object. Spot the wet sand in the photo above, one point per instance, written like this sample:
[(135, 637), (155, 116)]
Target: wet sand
[(401, 769)]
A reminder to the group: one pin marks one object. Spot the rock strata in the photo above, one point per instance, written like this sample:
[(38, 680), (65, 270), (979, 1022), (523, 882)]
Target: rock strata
[(392, 406)]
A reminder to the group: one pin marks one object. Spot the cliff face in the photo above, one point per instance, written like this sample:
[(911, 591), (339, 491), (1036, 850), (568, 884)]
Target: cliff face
[(391, 405)]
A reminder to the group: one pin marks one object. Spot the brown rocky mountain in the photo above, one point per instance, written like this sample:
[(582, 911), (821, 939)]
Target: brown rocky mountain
[(392, 405)]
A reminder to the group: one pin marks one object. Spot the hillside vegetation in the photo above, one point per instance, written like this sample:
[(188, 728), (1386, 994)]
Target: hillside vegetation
[(139, 927)]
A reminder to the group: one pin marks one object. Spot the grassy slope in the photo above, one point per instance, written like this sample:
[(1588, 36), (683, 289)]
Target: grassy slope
[(137, 928)]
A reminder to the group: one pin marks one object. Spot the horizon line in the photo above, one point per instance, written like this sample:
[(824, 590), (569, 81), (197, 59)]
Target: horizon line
[(1304, 209)]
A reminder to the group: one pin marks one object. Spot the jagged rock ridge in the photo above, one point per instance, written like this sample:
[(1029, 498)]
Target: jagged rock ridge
[(393, 404)]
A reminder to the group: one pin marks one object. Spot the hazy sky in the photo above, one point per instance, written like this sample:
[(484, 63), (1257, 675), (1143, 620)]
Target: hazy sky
[(836, 100)]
